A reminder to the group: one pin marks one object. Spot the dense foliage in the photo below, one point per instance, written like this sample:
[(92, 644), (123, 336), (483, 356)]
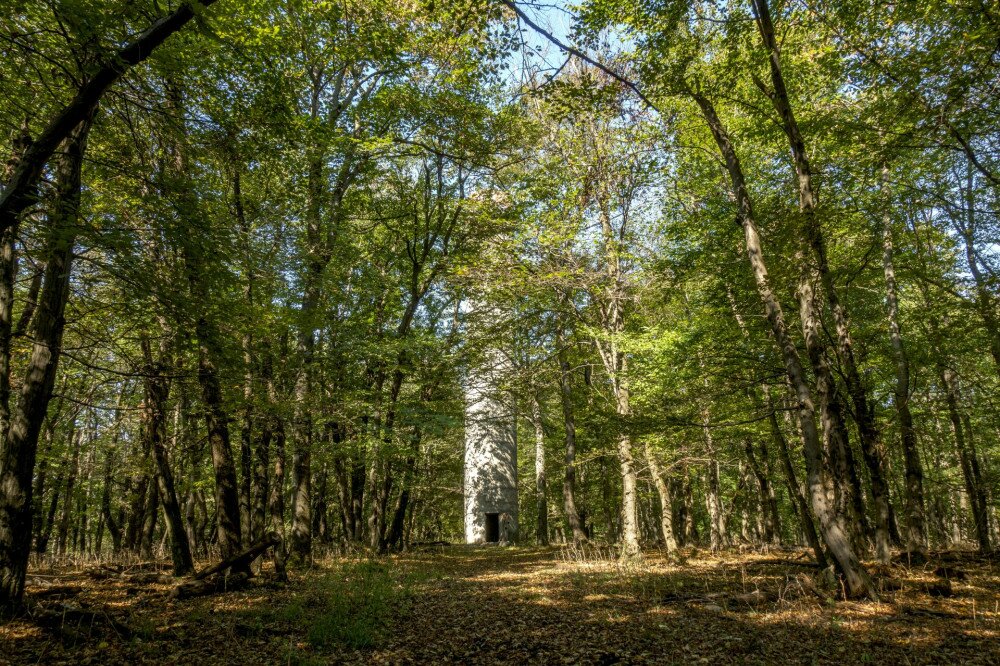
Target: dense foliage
[(270, 252)]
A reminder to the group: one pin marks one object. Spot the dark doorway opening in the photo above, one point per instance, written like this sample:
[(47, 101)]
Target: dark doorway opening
[(492, 527)]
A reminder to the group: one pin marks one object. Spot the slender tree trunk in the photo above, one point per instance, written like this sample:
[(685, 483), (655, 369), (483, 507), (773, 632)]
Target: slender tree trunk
[(197, 261), (276, 502), (19, 444), (259, 489), (857, 580), (985, 303), (8, 273), (630, 522), (569, 424), (541, 491), (916, 538), (395, 537), (157, 390), (968, 461), (41, 476), (68, 491), (795, 488), (666, 504), (150, 515), (109, 519), (718, 537), (768, 503)]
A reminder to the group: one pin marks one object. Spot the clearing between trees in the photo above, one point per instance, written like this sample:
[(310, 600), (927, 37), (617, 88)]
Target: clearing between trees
[(479, 605)]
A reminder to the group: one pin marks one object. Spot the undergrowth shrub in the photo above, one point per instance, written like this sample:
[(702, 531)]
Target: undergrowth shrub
[(353, 605)]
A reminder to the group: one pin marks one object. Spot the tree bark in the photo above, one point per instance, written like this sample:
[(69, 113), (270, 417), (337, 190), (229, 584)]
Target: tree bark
[(857, 580), (69, 489), (813, 236), (768, 502), (276, 502), (666, 504), (968, 460), (795, 489), (569, 424), (154, 413), (19, 443), (718, 537), (541, 491), (916, 537)]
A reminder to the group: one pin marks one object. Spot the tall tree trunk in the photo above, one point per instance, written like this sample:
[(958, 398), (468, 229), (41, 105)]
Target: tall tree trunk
[(768, 503), (569, 424), (259, 489), (666, 505), (814, 237), (157, 390), (276, 502), (985, 302), (794, 488), (41, 476), (857, 580), (68, 490), (967, 459), (916, 537), (109, 519), (8, 274), (195, 251), (718, 537), (395, 537), (541, 491), (630, 522), (151, 515), (19, 444)]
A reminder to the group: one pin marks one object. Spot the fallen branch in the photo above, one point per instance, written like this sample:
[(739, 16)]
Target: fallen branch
[(244, 559), (215, 579), (220, 583)]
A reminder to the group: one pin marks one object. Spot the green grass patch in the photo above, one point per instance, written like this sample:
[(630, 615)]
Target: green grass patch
[(354, 604)]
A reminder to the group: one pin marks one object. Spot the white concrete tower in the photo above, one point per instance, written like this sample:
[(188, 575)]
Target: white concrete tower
[(490, 484)]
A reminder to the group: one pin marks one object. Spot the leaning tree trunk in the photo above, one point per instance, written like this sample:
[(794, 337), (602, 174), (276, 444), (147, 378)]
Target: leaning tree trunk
[(857, 580), (794, 488), (666, 505), (814, 237), (19, 444), (154, 414)]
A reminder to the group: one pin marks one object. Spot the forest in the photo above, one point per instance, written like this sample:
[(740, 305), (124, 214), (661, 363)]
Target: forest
[(688, 309)]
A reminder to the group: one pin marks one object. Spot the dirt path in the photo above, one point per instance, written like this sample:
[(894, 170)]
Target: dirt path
[(528, 607), (520, 606)]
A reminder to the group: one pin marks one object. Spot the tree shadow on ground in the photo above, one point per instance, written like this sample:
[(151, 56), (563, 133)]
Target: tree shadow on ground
[(488, 605)]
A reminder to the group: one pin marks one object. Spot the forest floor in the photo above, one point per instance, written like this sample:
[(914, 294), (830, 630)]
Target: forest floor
[(488, 605)]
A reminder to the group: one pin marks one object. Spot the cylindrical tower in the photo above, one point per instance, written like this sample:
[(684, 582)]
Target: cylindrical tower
[(490, 484)]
